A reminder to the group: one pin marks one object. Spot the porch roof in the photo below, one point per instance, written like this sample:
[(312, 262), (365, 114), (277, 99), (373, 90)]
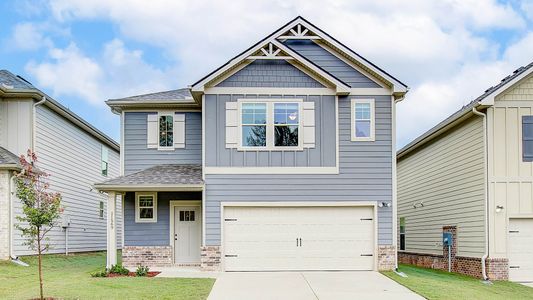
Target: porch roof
[(158, 178), (8, 160)]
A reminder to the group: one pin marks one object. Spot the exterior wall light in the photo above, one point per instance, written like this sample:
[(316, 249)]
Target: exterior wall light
[(499, 208), (384, 204)]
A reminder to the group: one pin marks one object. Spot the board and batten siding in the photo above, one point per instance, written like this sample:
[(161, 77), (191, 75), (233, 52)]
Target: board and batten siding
[(72, 157), (447, 177), (365, 174), (270, 73), (217, 155), (157, 233), (15, 125), (138, 157), (510, 178), (331, 64)]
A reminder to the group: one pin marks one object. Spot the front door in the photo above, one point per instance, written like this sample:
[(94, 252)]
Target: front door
[(187, 234)]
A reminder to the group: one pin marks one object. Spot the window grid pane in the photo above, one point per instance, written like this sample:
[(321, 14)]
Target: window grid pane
[(363, 119), (166, 124)]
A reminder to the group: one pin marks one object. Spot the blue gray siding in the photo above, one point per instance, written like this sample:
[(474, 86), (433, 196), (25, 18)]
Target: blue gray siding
[(138, 157), (152, 234), (323, 155), (331, 63), (365, 175), (270, 73)]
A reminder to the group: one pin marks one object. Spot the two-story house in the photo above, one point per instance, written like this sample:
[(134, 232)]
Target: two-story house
[(281, 159), (471, 176), (71, 150)]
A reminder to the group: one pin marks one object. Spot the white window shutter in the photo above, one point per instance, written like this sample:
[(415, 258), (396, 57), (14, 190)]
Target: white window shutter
[(309, 124), (232, 125), (152, 131), (179, 131)]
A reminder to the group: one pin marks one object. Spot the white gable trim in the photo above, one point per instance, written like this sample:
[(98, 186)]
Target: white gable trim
[(489, 100), (397, 86)]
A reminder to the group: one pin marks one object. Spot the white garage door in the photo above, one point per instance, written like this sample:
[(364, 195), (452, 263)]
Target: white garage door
[(521, 249), (298, 238)]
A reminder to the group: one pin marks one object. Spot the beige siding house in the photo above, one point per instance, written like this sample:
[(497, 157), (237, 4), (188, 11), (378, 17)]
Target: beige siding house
[(472, 176)]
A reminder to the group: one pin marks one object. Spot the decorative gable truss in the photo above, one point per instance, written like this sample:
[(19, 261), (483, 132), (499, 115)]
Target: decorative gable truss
[(272, 47)]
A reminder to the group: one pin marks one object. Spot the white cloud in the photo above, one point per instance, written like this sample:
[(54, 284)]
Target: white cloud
[(440, 48), (27, 36)]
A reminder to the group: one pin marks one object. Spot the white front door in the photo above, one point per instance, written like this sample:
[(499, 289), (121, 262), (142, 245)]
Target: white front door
[(521, 250), (187, 234), (299, 238)]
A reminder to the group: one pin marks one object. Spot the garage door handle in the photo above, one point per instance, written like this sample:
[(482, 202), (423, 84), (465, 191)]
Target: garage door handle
[(367, 254), (514, 231), (296, 242), (514, 267), (366, 219), (300, 242)]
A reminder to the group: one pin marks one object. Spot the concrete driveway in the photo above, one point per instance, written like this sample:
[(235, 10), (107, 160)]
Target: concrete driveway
[(308, 285)]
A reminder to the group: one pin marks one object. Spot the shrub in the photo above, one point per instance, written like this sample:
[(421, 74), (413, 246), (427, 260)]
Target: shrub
[(142, 271), (119, 269), (99, 274)]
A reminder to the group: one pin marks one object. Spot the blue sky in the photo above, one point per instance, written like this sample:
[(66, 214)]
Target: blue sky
[(85, 52)]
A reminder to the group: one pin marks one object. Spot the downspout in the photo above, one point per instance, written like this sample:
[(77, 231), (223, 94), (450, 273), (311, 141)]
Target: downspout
[(34, 121), (11, 222), (486, 254)]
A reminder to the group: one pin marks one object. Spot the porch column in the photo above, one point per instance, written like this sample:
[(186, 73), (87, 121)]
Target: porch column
[(111, 230)]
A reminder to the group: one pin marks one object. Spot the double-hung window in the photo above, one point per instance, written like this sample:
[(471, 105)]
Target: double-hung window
[(166, 130), (363, 120), (402, 233), (146, 208), (104, 166), (270, 125), (101, 210)]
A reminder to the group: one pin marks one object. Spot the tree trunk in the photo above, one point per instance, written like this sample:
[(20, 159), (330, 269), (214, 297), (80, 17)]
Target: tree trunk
[(40, 262)]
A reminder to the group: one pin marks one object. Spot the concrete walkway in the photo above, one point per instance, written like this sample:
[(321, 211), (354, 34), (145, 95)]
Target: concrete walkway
[(308, 286)]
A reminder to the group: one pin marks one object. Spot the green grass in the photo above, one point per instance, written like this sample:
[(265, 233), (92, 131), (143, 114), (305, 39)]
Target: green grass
[(434, 284), (68, 277)]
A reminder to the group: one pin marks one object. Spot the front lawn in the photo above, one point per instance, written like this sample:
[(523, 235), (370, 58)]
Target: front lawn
[(68, 277), (434, 284)]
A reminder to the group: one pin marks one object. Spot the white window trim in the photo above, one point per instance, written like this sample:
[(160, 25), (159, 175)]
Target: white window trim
[(159, 115), (372, 136), (270, 125), (138, 211)]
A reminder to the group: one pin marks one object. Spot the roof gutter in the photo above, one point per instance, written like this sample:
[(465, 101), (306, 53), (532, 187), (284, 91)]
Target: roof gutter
[(148, 188)]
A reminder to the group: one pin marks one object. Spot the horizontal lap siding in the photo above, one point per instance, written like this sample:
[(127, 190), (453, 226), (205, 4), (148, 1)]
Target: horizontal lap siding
[(138, 157), (331, 64), (270, 73), (322, 155), (72, 157), (365, 175), (447, 175), (152, 234)]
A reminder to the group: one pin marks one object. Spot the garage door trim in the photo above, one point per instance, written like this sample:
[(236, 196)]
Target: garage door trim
[(300, 204)]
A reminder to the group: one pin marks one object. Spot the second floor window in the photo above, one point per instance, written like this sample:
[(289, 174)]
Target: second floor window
[(270, 125), (363, 120), (104, 168), (166, 130)]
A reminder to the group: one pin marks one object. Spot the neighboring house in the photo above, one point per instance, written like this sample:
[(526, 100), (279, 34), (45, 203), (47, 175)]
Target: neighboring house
[(472, 176), (281, 159), (73, 152)]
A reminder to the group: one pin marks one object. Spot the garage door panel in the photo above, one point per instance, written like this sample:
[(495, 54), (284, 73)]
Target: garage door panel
[(265, 238), (520, 249)]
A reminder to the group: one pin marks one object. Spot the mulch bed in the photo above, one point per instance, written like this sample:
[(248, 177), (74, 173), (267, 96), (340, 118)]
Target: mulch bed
[(132, 274)]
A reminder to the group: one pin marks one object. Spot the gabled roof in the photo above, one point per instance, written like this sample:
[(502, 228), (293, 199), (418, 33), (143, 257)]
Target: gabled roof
[(180, 97), (12, 85), (8, 160), (299, 28), (161, 177), (484, 100)]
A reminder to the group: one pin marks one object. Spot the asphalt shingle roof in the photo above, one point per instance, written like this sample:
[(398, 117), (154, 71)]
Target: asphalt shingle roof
[(173, 95), (12, 81), (465, 108), (8, 158), (161, 175)]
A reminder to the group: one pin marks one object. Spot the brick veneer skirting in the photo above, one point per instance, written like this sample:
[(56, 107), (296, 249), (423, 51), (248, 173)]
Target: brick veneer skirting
[(151, 256), (497, 268), (386, 258), (210, 258)]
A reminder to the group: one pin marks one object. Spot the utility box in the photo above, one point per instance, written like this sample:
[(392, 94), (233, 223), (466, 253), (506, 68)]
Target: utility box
[(447, 239), (65, 221)]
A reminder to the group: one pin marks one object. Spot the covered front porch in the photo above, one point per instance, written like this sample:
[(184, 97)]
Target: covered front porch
[(163, 217)]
